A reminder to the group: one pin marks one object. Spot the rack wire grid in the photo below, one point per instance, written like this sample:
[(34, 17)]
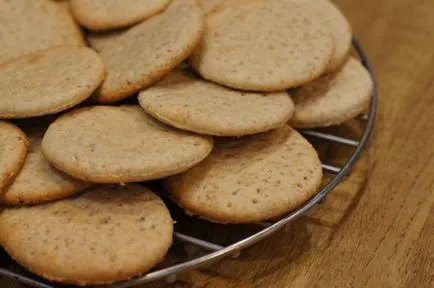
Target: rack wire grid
[(212, 252)]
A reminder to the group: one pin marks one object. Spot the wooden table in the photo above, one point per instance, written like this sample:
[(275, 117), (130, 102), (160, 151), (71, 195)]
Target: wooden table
[(377, 228)]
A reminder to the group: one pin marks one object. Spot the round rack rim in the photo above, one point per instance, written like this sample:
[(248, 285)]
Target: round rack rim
[(262, 234)]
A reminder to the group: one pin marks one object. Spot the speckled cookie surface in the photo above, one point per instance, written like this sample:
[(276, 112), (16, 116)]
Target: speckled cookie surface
[(28, 26), (208, 6), (100, 15), (99, 41), (105, 144), (109, 233), (263, 45), (38, 181), (189, 103), (13, 150), (334, 98), (48, 82), (250, 179), (150, 50), (340, 30)]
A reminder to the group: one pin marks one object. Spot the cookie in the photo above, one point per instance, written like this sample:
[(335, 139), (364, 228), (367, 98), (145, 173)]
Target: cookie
[(109, 233), (13, 151), (208, 6), (49, 81), (334, 98), (29, 26), (340, 30), (259, 45), (250, 179), (193, 104), (38, 181), (98, 41), (105, 144), (150, 50), (99, 15)]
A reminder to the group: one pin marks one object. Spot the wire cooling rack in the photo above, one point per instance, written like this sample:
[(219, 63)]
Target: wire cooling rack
[(210, 251)]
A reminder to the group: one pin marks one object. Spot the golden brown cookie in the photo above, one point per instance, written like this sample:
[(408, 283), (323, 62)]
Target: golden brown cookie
[(100, 15), (106, 144), (340, 30), (334, 98), (99, 41), (13, 151), (259, 45), (189, 103), (250, 179), (49, 81), (150, 50), (208, 6), (28, 26), (38, 181), (108, 234)]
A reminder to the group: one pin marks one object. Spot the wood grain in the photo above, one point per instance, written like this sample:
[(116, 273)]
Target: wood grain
[(377, 228)]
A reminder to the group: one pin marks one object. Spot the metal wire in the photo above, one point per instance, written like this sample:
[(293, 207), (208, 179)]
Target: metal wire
[(218, 252)]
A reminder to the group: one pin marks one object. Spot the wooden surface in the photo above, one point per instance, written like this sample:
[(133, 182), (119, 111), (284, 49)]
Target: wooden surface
[(377, 228)]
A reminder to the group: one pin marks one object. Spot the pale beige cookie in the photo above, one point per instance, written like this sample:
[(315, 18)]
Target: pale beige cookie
[(150, 50), (263, 45), (250, 179), (100, 15), (38, 181), (334, 98), (99, 41), (340, 30), (105, 144), (193, 104), (13, 151), (108, 234), (49, 81), (208, 6), (28, 26)]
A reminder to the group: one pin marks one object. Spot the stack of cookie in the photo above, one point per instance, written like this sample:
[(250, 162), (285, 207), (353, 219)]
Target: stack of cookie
[(218, 84)]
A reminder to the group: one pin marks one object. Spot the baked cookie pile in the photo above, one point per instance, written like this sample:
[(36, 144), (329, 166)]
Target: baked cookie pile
[(96, 96)]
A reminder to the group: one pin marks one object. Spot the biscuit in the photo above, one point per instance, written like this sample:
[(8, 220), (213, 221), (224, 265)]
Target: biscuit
[(13, 150), (105, 144), (38, 181), (250, 179), (149, 51), (259, 45), (28, 26), (99, 15), (340, 30), (49, 81), (98, 41), (110, 233), (333, 98), (196, 105), (208, 6)]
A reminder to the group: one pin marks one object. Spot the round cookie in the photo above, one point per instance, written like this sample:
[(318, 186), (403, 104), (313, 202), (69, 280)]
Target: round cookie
[(208, 6), (250, 179), (334, 98), (98, 41), (48, 82), (193, 104), (105, 144), (340, 30), (108, 234), (100, 15), (150, 50), (259, 45), (28, 26), (13, 151), (38, 181)]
